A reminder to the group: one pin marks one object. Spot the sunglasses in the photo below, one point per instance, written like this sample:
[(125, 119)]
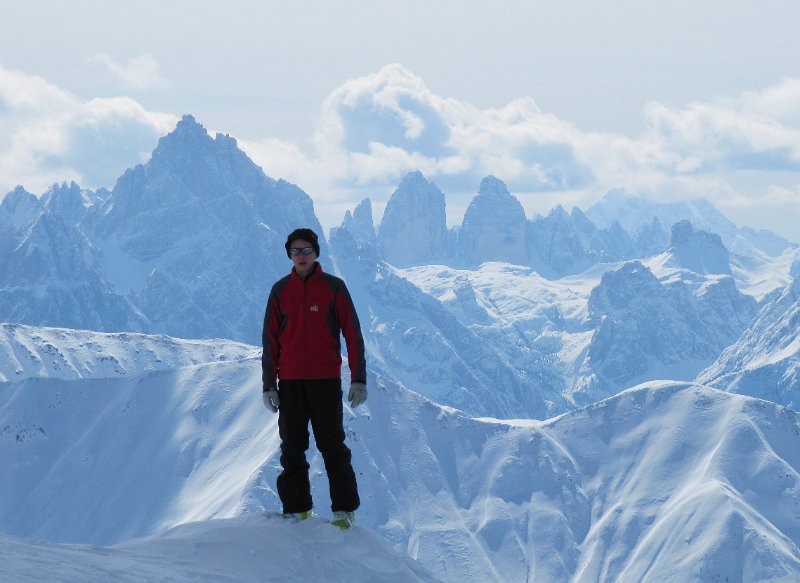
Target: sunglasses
[(294, 251)]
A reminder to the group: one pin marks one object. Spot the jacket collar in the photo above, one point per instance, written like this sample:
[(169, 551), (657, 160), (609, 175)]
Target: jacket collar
[(317, 272)]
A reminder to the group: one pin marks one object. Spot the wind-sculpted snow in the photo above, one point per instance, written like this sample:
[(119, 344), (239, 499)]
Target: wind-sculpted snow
[(686, 484), (250, 549), (765, 361), (104, 460), (61, 353), (665, 482)]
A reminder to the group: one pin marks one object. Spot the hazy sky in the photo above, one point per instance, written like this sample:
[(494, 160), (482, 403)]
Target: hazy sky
[(562, 100)]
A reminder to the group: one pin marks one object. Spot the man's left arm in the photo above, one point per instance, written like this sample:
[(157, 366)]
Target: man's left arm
[(351, 330)]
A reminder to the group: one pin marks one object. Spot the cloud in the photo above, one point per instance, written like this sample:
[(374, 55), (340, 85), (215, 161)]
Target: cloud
[(374, 129), (140, 72), (49, 135), (389, 123), (780, 102), (27, 93), (723, 137), (392, 107)]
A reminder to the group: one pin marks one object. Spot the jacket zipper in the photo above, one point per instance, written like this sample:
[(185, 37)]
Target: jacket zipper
[(306, 326)]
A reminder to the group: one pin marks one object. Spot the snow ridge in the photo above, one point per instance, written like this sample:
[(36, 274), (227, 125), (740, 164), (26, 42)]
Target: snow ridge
[(612, 491), (252, 548), (765, 360), (62, 353)]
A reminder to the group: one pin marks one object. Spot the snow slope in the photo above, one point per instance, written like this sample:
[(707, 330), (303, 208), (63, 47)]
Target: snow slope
[(665, 482), (765, 361), (257, 547), (28, 351), (593, 334)]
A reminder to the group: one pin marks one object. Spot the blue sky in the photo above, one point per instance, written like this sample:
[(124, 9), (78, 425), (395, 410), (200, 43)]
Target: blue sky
[(561, 100)]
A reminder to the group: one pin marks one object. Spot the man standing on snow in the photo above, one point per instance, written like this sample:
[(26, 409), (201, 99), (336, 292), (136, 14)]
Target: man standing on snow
[(306, 312)]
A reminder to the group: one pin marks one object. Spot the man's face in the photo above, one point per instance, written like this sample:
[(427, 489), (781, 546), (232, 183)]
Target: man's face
[(303, 263)]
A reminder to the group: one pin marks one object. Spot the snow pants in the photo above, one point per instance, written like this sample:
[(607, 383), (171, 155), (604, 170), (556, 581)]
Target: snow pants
[(320, 402)]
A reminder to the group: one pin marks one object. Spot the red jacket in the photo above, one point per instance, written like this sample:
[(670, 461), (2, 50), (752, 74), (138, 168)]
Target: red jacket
[(302, 324)]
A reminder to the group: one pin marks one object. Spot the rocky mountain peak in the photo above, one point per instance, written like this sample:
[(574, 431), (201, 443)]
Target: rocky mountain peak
[(183, 143), (19, 207), (69, 202), (559, 212), (492, 186), (554, 243), (632, 282), (414, 226), (697, 250), (359, 222), (189, 126), (411, 180), (494, 227)]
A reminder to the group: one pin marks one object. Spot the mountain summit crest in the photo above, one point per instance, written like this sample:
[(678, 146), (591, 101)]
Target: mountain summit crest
[(493, 186)]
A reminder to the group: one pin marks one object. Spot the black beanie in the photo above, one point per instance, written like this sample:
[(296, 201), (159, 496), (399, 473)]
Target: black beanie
[(305, 235)]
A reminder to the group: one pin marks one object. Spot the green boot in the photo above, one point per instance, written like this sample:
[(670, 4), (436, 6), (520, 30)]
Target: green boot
[(299, 516), (343, 520)]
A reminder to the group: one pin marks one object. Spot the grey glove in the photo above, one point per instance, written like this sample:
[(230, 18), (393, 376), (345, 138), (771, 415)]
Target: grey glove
[(357, 394), (271, 400)]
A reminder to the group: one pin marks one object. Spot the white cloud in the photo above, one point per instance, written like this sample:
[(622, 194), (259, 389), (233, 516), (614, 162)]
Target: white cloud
[(780, 102), (27, 93), (724, 137), (49, 135), (372, 130), (386, 124), (140, 72), (383, 163)]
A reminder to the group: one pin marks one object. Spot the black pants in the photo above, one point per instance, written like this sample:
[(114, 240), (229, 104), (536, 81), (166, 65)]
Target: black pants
[(318, 401)]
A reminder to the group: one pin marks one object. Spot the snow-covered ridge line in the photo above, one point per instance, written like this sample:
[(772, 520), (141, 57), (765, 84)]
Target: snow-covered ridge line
[(233, 550), (30, 351), (609, 492), (765, 361)]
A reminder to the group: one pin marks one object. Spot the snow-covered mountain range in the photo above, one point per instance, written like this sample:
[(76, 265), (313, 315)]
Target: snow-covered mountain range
[(187, 244), (665, 481), (765, 360), (519, 425)]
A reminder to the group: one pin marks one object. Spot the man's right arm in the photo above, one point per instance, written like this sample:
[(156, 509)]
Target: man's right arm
[(269, 343)]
